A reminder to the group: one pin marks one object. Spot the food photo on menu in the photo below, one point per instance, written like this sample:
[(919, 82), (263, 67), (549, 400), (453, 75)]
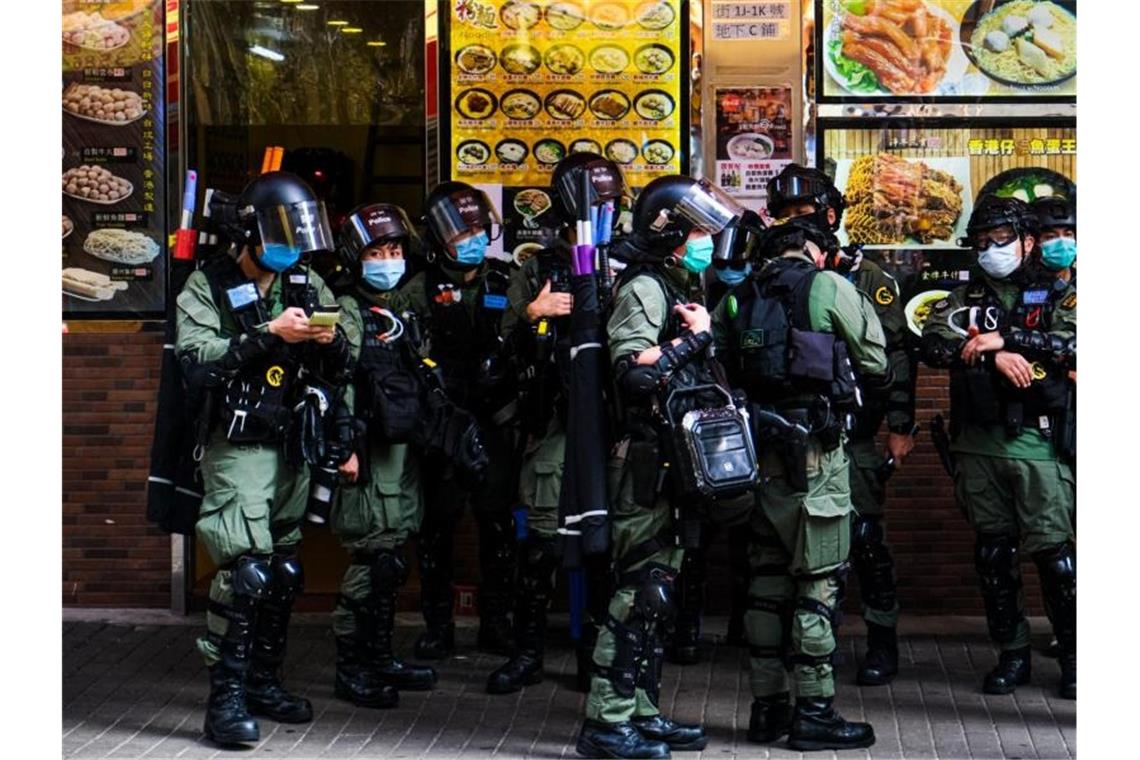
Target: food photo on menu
[(883, 49)]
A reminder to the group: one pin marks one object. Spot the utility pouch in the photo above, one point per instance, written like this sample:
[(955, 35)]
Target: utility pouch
[(393, 398), (811, 355)]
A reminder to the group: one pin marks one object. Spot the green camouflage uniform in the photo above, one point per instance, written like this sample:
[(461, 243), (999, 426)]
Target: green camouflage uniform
[(1018, 486), (381, 513), (868, 492), (253, 503), (800, 538), (642, 313)]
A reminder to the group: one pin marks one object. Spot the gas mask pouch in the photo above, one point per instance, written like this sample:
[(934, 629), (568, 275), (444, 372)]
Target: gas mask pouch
[(713, 447)]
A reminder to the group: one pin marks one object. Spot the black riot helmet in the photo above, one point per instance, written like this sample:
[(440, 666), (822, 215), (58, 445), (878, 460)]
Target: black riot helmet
[(1055, 211), (370, 224), (792, 234), (992, 211), (451, 212), (277, 211), (669, 208), (606, 183), (797, 184)]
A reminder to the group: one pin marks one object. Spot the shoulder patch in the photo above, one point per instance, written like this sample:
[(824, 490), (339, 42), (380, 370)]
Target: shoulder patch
[(1070, 301), (884, 296)]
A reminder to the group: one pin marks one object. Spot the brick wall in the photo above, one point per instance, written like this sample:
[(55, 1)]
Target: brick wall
[(112, 557)]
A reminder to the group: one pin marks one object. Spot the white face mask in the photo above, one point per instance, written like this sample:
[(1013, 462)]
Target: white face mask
[(1000, 262)]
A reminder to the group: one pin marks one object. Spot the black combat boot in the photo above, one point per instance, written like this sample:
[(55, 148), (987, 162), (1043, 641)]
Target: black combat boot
[(771, 718), (265, 694), (679, 736), (227, 719), (497, 569), (537, 580), (388, 573), (1011, 671), (1057, 568), (683, 737), (683, 645), (621, 740), (882, 662), (356, 678), (816, 725)]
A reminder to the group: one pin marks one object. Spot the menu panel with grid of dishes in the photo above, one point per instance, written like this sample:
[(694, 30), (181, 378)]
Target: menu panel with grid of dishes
[(532, 82)]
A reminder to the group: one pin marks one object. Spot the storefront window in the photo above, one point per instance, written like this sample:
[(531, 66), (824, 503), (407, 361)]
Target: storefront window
[(339, 85)]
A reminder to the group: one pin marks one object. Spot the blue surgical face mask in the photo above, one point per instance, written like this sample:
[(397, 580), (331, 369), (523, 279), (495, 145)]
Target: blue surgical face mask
[(698, 254), (383, 274), (1059, 253), (731, 276), (472, 250), (277, 258)]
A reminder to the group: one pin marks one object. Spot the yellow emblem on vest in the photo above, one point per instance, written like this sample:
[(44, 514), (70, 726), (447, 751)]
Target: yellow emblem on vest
[(1070, 301), (884, 296), (274, 375), (1038, 371)]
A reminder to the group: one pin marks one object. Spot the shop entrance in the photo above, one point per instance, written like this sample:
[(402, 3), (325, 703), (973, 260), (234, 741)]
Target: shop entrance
[(340, 86)]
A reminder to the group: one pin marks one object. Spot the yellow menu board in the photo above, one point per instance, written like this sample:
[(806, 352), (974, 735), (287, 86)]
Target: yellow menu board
[(947, 50), (532, 82)]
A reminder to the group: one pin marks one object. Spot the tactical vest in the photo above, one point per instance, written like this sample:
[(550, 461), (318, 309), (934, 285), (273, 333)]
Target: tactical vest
[(255, 400), (775, 356), (544, 348), (388, 389), (980, 395), (467, 344)]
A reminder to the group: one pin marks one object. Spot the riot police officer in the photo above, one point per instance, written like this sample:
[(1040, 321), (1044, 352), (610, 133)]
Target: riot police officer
[(243, 331), (383, 502), (793, 337), (1008, 337), (658, 341), (1057, 220), (538, 326), (461, 297), (806, 193)]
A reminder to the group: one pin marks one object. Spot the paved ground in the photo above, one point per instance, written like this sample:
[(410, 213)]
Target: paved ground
[(133, 687)]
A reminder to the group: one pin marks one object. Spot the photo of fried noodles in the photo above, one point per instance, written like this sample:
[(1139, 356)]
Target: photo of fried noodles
[(902, 44), (891, 200)]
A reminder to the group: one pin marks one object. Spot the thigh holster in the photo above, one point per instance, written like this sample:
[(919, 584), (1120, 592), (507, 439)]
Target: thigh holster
[(999, 576)]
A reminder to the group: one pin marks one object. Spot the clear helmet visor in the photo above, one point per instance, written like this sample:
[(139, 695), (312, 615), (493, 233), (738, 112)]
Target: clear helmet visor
[(735, 242), (709, 208), (795, 186), (456, 215), (302, 228), (377, 224)]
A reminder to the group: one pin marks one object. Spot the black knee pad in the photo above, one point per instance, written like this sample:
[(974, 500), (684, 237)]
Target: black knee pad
[(654, 600), (288, 576), (387, 570), (251, 577), (873, 563), (997, 562)]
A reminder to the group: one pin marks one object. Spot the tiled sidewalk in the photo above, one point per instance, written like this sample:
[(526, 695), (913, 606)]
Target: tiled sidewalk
[(133, 687)]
